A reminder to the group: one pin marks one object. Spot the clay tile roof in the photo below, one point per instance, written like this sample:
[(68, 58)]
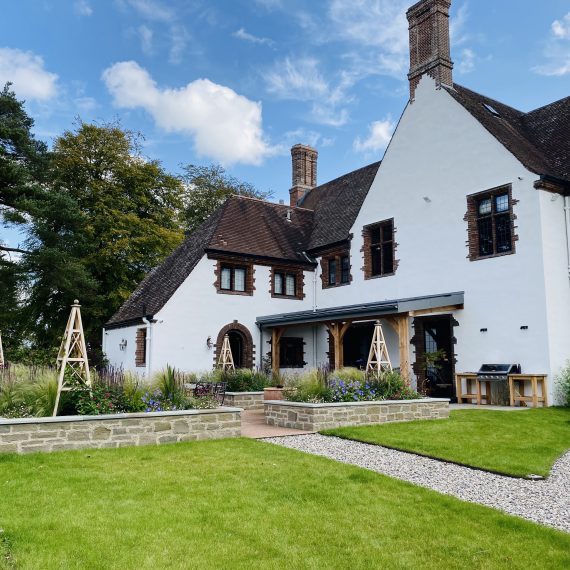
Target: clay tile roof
[(336, 205), (246, 226), (538, 139), (256, 227)]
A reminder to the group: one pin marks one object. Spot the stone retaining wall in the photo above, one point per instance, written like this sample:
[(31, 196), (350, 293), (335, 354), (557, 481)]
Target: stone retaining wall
[(316, 417), (244, 400), (117, 430)]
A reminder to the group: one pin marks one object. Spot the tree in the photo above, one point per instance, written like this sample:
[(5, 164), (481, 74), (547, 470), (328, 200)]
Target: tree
[(112, 216), (207, 188)]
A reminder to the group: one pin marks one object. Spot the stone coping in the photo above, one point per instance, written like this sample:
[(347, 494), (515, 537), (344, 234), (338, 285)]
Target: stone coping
[(244, 393), (364, 403), (102, 417)]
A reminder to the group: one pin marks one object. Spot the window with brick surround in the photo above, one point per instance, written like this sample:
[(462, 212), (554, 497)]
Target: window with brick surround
[(379, 246), (490, 223), (140, 348), (291, 352), (335, 268), (234, 277), (284, 284)]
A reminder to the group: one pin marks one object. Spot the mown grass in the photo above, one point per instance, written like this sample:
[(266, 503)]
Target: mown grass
[(247, 504), (518, 443)]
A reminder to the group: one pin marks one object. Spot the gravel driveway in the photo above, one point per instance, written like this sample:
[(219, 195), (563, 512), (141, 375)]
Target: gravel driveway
[(545, 501)]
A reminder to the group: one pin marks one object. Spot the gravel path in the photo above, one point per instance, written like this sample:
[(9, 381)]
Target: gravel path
[(545, 501)]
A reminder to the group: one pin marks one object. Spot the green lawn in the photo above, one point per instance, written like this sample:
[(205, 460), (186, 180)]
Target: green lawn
[(516, 443), (245, 504)]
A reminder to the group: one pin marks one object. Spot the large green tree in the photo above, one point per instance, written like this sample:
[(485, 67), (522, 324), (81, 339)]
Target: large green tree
[(207, 188), (117, 215)]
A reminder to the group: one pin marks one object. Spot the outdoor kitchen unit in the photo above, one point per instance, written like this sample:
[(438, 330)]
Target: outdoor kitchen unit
[(495, 378)]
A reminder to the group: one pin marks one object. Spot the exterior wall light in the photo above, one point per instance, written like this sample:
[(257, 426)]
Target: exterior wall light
[(209, 343), (483, 330), (123, 344)]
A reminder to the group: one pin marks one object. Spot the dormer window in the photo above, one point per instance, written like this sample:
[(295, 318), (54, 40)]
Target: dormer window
[(335, 267), (287, 283), (234, 278)]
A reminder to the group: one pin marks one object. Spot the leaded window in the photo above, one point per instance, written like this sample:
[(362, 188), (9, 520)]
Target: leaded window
[(494, 227), (382, 248), (233, 278)]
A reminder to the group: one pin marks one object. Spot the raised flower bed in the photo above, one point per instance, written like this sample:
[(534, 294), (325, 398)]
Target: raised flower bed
[(244, 400), (316, 417), (28, 435)]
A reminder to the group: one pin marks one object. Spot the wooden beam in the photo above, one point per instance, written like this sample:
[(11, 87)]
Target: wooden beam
[(276, 334), (404, 346), (337, 330), (434, 310)]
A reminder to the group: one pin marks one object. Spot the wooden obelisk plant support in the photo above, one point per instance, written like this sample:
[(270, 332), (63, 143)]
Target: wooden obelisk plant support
[(378, 358), (72, 364), (1, 352), (226, 360)]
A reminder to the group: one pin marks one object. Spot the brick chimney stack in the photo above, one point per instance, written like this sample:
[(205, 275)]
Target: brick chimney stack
[(429, 43), (304, 159)]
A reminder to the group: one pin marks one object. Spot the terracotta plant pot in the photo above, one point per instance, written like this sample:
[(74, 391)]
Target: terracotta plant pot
[(273, 393)]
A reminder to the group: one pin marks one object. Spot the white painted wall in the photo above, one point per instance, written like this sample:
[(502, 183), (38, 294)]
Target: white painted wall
[(440, 152), (556, 279)]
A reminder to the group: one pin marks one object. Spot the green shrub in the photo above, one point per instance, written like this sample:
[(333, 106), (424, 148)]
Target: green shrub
[(562, 381), (311, 387), (243, 380)]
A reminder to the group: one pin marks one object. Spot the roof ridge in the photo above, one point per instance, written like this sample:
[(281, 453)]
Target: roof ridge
[(267, 202), (488, 98), (548, 105)]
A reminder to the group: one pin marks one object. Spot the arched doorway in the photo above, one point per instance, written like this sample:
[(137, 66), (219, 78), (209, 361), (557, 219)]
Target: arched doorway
[(237, 344), (241, 343)]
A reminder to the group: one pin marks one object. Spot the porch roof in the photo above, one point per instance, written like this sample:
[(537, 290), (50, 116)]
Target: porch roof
[(364, 310)]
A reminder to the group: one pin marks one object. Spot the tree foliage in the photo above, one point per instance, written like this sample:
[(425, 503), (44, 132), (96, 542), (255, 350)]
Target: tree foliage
[(207, 188)]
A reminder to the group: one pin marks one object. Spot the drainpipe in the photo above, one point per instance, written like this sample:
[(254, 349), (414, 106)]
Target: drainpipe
[(148, 324), (104, 343), (567, 226)]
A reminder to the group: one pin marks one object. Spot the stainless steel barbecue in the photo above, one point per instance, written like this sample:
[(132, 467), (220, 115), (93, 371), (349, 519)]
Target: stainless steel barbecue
[(497, 371)]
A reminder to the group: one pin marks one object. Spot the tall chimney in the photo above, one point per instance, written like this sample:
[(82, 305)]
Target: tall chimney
[(304, 159), (429, 43)]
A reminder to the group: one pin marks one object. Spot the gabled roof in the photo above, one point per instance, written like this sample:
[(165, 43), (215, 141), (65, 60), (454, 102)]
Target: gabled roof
[(336, 205), (539, 139), (246, 226)]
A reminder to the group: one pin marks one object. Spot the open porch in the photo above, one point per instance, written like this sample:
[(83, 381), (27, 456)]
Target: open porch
[(347, 326)]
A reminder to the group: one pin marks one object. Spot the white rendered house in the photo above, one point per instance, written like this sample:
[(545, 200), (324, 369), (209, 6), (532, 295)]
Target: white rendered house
[(458, 241)]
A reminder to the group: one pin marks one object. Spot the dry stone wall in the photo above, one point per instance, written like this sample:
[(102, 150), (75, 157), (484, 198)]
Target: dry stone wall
[(117, 430), (316, 417)]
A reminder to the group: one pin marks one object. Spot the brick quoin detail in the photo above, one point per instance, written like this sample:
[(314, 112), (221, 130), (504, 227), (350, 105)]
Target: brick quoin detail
[(248, 346), (335, 253), (140, 350), (471, 218), (367, 257)]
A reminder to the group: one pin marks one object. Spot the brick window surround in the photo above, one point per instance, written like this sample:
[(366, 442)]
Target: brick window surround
[(299, 282), (235, 263), (140, 347), (488, 214), (375, 236), (342, 274)]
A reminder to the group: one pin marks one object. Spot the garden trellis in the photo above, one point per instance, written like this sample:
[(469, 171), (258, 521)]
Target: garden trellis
[(72, 364), (226, 361), (378, 358)]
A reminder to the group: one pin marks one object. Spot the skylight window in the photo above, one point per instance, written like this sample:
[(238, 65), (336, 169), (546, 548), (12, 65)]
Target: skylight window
[(491, 109)]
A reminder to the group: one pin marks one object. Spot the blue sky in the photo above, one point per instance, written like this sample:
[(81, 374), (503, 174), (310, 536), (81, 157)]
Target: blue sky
[(239, 81)]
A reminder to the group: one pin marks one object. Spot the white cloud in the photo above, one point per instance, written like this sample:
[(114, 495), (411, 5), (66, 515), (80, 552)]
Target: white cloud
[(557, 49), (379, 24), (26, 71), (82, 8), (379, 135), (467, 61), (299, 79), (561, 28), (241, 34), (179, 38), (152, 10), (146, 37), (224, 125)]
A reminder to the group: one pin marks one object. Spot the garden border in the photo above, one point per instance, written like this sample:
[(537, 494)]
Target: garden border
[(26, 435), (244, 400), (316, 417)]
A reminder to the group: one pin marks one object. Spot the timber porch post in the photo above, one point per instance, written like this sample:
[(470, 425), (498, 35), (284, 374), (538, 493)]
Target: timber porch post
[(337, 330), (401, 325), (276, 334)]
